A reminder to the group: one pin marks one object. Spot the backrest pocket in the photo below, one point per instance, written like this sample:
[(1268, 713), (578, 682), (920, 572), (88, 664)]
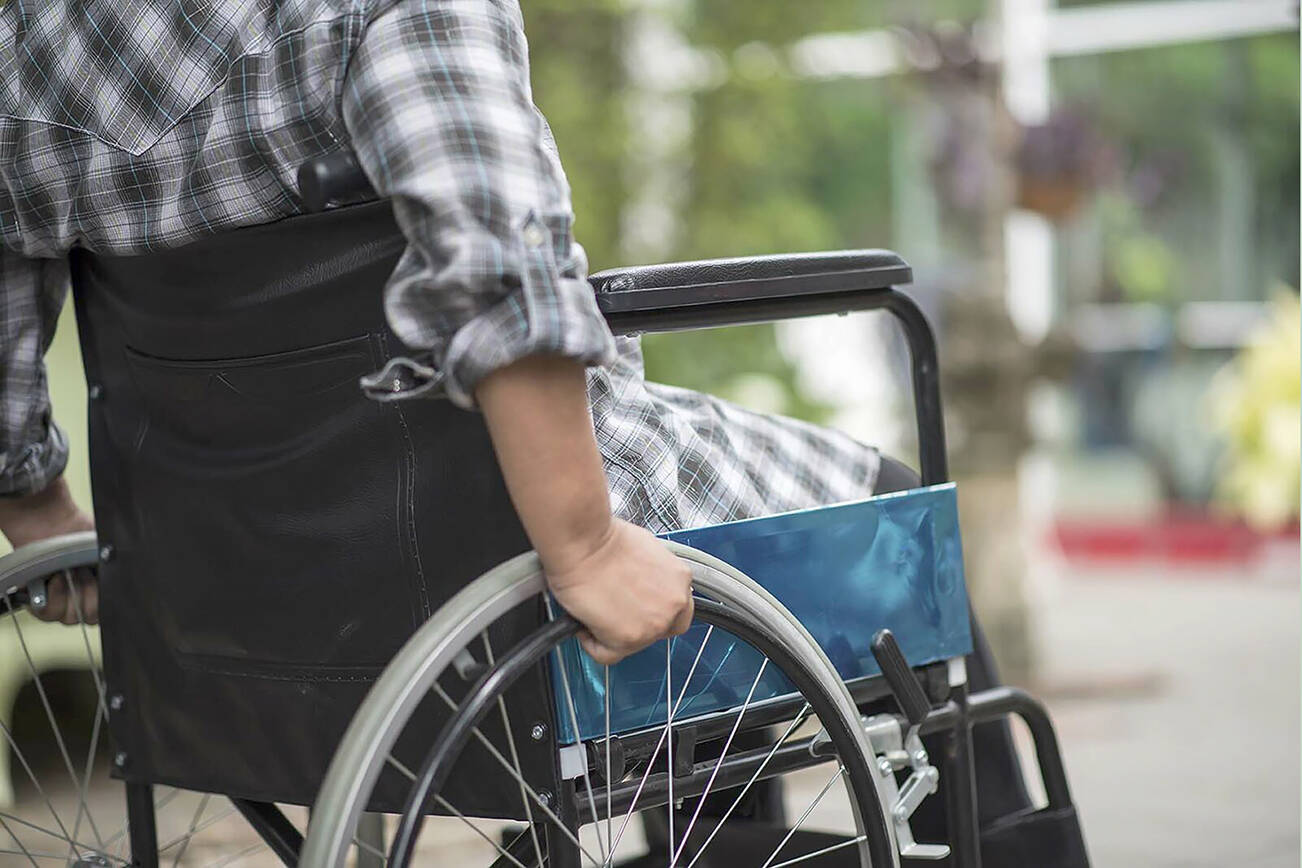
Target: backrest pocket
[(272, 504)]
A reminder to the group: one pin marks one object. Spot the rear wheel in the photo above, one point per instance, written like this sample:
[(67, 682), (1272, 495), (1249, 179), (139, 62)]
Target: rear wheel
[(744, 697), (59, 804)]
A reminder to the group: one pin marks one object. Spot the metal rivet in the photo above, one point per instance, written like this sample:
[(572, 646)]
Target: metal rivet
[(538, 732), (95, 392), (38, 601), (920, 757), (885, 766), (545, 798), (106, 552), (120, 759), (116, 702), (397, 384)]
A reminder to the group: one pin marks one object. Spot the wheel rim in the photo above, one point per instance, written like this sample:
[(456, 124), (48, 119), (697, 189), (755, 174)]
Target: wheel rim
[(63, 806), (366, 749)]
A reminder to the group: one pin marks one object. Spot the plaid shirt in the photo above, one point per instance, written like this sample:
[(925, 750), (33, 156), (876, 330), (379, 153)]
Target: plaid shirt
[(128, 126)]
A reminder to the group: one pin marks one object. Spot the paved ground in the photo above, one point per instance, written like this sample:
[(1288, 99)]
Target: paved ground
[(1176, 700), (1177, 705)]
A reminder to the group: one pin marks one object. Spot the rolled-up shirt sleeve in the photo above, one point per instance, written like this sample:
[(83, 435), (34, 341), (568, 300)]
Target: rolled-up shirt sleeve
[(438, 104), (33, 450)]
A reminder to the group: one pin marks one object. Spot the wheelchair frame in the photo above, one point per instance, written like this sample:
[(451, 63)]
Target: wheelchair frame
[(673, 298)]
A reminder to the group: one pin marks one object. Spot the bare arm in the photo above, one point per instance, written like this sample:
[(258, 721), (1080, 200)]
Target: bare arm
[(616, 578)]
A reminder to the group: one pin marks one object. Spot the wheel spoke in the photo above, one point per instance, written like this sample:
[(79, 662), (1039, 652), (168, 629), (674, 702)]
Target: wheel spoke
[(444, 803), (44, 831), (211, 821), (574, 722), (85, 781), (750, 783), (189, 835), (17, 841), (840, 770), (100, 690), (22, 760), (32, 856), (393, 761), (482, 739), (362, 845), (719, 762), (515, 756), (58, 732), (655, 754), (669, 748), (101, 704), (805, 858), (609, 826), (159, 803)]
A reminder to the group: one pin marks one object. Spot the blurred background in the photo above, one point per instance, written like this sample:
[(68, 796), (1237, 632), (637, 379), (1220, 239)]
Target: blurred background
[(1100, 204)]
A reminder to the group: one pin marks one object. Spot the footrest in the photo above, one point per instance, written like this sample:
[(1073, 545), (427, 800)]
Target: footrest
[(1050, 836)]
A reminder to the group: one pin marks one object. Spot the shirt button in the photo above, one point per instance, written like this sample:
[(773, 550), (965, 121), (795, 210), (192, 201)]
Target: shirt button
[(534, 236)]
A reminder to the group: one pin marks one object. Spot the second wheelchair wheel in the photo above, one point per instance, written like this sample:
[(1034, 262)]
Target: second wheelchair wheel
[(661, 760), (59, 801)]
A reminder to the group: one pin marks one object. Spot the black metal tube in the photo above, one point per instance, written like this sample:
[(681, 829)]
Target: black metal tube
[(926, 386), (917, 333), (734, 771), (141, 825), (999, 701), (958, 781), (274, 828), (640, 745)]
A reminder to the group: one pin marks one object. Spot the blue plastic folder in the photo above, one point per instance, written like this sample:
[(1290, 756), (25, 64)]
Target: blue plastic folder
[(845, 571)]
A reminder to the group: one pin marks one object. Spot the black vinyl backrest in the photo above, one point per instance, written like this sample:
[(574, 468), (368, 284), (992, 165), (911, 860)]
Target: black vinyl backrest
[(275, 535)]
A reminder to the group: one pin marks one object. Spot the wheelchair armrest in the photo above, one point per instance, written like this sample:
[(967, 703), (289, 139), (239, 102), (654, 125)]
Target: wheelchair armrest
[(683, 295), (694, 294)]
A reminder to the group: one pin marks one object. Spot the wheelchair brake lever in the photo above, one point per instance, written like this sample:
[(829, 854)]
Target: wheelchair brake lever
[(903, 683)]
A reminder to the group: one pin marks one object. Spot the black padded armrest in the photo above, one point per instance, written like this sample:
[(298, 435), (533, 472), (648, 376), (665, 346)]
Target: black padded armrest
[(700, 294), (714, 281)]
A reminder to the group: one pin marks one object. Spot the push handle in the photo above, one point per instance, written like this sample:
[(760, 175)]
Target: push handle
[(333, 178), (899, 675)]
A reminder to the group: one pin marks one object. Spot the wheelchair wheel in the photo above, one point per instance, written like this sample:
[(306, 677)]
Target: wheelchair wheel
[(59, 804), (684, 784)]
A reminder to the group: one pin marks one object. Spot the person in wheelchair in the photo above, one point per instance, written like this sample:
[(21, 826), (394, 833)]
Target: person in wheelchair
[(112, 155)]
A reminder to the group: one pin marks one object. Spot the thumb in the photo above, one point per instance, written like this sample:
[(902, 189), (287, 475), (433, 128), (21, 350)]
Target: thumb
[(603, 654)]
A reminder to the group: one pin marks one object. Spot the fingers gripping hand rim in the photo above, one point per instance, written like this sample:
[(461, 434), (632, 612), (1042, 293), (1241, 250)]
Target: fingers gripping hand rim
[(631, 592)]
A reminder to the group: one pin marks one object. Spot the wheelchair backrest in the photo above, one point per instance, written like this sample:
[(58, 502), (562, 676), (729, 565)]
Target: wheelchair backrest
[(272, 535)]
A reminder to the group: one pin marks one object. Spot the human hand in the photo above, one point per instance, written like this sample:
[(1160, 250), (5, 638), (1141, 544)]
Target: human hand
[(628, 592), (48, 513)]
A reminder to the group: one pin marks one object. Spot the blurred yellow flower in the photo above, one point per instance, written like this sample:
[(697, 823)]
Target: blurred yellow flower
[(1254, 403)]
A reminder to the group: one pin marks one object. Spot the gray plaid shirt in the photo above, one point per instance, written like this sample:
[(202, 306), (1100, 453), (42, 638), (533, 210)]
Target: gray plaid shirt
[(128, 126)]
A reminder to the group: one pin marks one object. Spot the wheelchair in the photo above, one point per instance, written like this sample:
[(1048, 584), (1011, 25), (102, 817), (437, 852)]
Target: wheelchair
[(320, 609)]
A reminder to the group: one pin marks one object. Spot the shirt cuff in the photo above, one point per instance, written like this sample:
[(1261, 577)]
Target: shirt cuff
[(33, 467), (549, 313)]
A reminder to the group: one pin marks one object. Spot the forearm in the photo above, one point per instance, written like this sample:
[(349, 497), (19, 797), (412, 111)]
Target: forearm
[(46, 513), (537, 415)]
